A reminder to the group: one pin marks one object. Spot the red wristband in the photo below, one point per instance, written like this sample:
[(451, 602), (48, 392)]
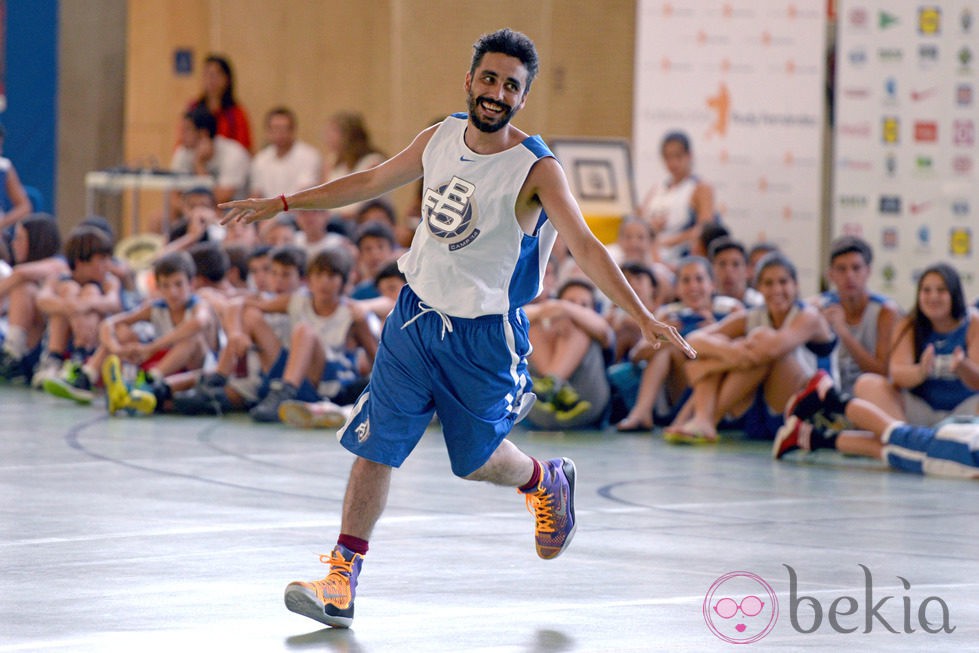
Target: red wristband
[(285, 204)]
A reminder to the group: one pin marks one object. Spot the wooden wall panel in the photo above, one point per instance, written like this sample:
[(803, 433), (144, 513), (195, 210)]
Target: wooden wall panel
[(401, 63)]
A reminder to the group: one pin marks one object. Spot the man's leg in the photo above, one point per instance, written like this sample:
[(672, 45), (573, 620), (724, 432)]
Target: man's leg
[(331, 600), (365, 498)]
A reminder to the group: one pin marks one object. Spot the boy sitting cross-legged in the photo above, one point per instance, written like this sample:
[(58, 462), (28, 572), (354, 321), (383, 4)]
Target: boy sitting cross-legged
[(329, 334), (184, 333), (75, 304)]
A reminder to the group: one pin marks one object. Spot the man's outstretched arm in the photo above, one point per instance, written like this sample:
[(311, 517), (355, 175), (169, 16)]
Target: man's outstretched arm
[(548, 183), (402, 168)]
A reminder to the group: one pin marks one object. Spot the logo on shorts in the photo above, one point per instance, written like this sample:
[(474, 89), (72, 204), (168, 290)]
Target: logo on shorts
[(363, 431), (451, 214)]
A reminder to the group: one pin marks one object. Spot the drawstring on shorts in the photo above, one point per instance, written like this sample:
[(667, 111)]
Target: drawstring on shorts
[(425, 308)]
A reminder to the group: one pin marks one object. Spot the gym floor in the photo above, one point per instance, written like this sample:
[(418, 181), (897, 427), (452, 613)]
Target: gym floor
[(175, 533)]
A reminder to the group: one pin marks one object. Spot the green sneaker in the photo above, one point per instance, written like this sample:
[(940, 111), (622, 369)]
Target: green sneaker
[(72, 384), (569, 404)]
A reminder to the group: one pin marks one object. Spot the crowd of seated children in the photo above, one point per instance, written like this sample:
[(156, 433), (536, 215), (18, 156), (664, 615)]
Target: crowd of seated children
[(660, 372), (183, 334), (257, 328), (751, 362)]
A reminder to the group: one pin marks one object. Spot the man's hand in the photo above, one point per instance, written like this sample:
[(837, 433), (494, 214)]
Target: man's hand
[(657, 332), (251, 210)]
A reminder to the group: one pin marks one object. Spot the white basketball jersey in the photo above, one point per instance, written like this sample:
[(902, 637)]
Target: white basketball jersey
[(469, 256)]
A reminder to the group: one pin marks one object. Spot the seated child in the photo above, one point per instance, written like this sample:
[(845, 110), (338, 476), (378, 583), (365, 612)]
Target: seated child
[(75, 304), (326, 414), (950, 448), (661, 369), (570, 340), (328, 329), (35, 250), (183, 335)]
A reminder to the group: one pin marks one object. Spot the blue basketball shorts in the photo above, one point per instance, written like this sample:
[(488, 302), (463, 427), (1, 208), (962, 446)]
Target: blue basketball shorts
[(471, 372)]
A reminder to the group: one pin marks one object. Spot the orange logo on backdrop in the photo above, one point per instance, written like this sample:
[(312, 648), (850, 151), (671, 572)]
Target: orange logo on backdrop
[(721, 105)]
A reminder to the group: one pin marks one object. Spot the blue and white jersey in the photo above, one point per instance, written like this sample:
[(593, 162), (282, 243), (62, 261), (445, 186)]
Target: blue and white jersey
[(469, 256), (944, 389)]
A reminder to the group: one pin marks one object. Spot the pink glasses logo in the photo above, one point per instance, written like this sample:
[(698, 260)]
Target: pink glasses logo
[(740, 608)]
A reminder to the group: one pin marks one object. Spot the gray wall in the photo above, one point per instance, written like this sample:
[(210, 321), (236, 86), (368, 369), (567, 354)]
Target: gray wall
[(92, 62)]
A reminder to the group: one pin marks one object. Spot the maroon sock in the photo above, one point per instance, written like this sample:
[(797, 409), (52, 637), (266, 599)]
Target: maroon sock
[(355, 544), (534, 478)]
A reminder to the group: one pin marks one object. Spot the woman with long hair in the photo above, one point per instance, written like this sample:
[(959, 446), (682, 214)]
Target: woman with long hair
[(348, 149), (218, 97), (934, 364)]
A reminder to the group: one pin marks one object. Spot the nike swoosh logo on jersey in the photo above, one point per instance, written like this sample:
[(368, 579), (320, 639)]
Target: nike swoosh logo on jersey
[(462, 158)]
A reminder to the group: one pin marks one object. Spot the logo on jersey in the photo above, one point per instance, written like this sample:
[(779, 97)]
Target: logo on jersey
[(451, 214)]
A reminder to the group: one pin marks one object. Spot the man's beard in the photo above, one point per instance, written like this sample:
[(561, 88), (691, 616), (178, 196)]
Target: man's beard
[(489, 127)]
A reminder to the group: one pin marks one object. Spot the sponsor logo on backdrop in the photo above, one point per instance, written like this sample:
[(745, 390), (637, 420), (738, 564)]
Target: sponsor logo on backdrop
[(890, 91), (857, 17), (890, 129), (854, 130), (856, 92), (961, 208), (963, 95), (965, 20), (929, 20), (963, 133), (852, 229), (888, 273), (925, 131), (923, 238), (853, 201), (720, 106), (890, 164), (857, 56), (927, 54), (919, 207), (889, 204), (890, 55), (923, 94), (888, 238), (924, 164), (886, 20), (960, 241), (962, 165), (847, 163), (964, 56)]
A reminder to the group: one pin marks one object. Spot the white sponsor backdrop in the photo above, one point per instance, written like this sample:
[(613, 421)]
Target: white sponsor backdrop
[(905, 137), (746, 81)]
